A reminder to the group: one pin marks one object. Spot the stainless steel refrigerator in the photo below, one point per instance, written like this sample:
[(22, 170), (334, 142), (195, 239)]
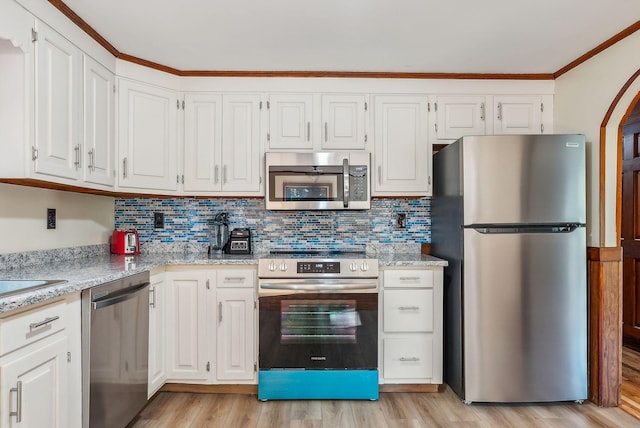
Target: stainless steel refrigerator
[(509, 214)]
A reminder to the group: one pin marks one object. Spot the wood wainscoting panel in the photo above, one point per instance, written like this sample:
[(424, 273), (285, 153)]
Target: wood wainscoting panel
[(605, 325)]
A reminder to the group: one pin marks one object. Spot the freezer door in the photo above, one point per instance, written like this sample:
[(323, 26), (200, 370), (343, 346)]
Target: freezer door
[(524, 179), (525, 316)]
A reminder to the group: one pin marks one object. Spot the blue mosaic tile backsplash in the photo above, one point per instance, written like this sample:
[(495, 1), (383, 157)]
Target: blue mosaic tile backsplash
[(187, 220)]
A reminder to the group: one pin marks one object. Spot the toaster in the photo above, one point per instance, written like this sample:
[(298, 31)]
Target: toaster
[(125, 242)]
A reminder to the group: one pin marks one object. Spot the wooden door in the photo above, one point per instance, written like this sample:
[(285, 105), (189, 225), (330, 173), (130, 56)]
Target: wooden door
[(631, 235)]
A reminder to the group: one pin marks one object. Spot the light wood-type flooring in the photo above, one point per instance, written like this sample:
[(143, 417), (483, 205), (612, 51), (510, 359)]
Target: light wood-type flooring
[(444, 409), (630, 393)]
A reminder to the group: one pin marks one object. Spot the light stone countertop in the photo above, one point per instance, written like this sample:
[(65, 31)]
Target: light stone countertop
[(83, 273)]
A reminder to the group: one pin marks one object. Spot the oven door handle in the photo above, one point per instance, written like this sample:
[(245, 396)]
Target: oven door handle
[(319, 285)]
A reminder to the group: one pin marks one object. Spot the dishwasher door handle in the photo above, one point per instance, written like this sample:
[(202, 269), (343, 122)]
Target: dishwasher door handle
[(129, 294)]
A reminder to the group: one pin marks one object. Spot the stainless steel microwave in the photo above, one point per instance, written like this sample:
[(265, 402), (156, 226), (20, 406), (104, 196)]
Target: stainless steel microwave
[(318, 181)]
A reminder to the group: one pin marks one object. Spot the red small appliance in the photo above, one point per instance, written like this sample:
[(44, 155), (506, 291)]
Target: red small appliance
[(125, 242)]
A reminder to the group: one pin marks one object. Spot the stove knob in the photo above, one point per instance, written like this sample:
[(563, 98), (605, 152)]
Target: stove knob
[(273, 266), (283, 266), (353, 267), (364, 267)]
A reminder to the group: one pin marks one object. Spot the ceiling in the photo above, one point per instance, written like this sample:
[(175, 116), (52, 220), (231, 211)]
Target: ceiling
[(416, 36)]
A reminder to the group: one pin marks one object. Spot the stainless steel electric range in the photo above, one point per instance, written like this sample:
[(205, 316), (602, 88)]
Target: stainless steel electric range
[(318, 326)]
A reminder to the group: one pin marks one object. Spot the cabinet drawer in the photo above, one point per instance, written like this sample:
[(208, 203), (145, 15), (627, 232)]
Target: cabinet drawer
[(236, 278), (408, 278), (408, 310), (27, 327), (408, 357)]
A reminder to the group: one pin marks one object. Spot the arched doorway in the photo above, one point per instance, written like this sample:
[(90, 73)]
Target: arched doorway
[(605, 262)]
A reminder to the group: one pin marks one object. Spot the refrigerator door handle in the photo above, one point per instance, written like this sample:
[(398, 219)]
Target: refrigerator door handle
[(556, 228)]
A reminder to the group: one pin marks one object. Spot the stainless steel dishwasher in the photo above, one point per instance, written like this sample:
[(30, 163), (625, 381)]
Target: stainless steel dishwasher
[(115, 350)]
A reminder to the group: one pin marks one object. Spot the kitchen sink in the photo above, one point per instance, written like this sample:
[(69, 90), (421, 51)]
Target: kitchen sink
[(14, 286)]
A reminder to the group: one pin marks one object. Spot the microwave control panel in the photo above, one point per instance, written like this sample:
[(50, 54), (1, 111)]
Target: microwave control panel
[(358, 183)]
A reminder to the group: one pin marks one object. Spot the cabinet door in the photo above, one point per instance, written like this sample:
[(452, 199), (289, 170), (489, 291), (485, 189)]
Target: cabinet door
[(290, 121), (403, 151), (99, 124), (235, 335), (58, 101), (157, 334), (343, 121), (409, 357), (189, 337), (35, 386), (203, 142), (241, 143), (458, 116), (148, 118), (518, 115)]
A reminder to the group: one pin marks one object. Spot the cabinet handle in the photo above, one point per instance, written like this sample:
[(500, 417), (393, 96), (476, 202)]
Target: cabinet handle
[(208, 285), (409, 308), (46, 321), (379, 174), (224, 174), (18, 412), (220, 311), (482, 111), (152, 294), (326, 132), (124, 168), (234, 278), (411, 359), (409, 278), (77, 150), (308, 131), (91, 166), (216, 174), (499, 111)]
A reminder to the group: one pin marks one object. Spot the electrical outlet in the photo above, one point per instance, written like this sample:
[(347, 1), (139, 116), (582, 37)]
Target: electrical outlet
[(158, 220), (401, 221), (51, 218)]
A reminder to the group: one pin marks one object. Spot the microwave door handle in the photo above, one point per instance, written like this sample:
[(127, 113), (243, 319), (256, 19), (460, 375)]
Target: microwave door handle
[(345, 180)]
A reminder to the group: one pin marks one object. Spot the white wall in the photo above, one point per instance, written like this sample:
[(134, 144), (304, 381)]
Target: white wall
[(582, 98), (81, 219)]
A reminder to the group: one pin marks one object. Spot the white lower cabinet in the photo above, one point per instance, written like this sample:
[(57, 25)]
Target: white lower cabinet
[(157, 333), (412, 325), (235, 349), (40, 367), (211, 324)]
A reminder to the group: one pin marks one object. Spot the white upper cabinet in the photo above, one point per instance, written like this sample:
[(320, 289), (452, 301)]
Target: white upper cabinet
[(241, 143), (460, 115), (99, 124), (58, 100), (148, 139), (521, 114), (222, 144), (203, 143), (402, 148), (290, 117), (343, 122)]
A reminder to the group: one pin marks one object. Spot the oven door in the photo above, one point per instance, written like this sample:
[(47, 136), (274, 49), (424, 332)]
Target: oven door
[(318, 330)]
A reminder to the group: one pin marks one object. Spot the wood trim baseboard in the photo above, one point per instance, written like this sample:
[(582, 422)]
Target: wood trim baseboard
[(411, 387), (253, 389), (605, 325), (210, 389)]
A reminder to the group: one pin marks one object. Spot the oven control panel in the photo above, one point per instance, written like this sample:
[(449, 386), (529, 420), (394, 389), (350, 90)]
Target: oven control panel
[(308, 268), (318, 267)]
